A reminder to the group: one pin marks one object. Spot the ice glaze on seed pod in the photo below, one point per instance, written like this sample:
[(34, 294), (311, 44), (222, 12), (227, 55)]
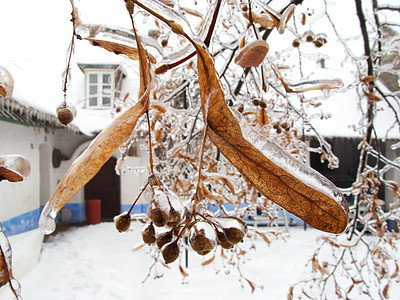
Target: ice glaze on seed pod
[(123, 222), (163, 238), (170, 252), (149, 233)]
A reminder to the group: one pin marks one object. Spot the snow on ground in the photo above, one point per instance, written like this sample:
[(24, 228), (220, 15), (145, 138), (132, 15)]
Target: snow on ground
[(96, 262)]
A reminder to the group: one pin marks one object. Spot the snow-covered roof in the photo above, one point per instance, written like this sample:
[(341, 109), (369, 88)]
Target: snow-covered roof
[(34, 50)]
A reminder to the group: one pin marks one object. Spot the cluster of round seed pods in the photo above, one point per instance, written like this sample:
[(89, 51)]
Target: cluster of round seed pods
[(317, 39), (260, 103), (170, 219), (279, 127)]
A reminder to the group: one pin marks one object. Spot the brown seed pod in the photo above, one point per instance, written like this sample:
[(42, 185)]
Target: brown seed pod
[(319, 42), (296, 43), (309, 36), (201, 244), (149, 234), (123, 222), (234, 228), (276, 125), (164, 42), (65, 113), (174, 218), (170, 252), (256, 102), (252, 54), (6, 82), (263, 104), (202, 238), (223, 241), (234, 235), (158, 216), (163, 238), (14, 167)]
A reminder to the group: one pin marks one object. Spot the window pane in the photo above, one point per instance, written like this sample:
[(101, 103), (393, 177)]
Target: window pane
[(93, 90), (106, 89), (106, 78), (92, 101), (106, 101), (92, 78)]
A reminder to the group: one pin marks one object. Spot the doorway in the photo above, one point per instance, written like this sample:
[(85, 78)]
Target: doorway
[(106, 187)]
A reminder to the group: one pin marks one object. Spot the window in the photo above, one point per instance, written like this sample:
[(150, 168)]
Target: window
[(100, 88)]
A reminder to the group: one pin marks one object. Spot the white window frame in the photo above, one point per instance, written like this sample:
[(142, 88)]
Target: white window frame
[(100, 94)]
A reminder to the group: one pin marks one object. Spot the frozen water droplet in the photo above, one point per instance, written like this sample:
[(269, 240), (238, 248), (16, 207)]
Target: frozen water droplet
[(47, 223)]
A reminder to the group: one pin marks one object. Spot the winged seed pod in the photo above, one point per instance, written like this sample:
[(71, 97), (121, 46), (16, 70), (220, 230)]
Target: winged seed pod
[(86, 166), (275, 173)]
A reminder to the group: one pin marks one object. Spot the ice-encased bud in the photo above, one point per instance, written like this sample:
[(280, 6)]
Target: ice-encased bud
[(6, 82), (234, 229), (163, 238), (158, 210), (66, 113), (123, 222), (170, 252), (202, 238), (14, 167), (149, 233)]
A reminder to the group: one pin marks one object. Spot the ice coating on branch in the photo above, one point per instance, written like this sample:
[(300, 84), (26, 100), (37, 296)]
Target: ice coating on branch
[(201, 35), (6, 275), (284, 160), (319, 84), (115, 35)]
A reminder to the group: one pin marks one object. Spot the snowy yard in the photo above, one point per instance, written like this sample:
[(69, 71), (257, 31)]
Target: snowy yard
[(96, 262)]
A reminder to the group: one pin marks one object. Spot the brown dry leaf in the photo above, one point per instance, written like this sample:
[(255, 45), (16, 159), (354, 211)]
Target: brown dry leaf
[(263, 20), (86, 166), (314, 263), (208, 261), (225, 181), (252, 54), (251, 285), (385, 291), (183, 272), (264, 237), (324, 212), (138, 247), (372, 96), (368, 79), (4, 273)]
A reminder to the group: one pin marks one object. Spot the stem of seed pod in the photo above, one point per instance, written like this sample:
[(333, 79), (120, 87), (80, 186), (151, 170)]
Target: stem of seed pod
[(150, 145), (71, 49), (164, 68), (137, 198)]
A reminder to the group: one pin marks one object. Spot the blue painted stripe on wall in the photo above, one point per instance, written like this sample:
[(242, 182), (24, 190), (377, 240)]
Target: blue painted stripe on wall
[(22, 223), (137, 209), (78, 212)]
